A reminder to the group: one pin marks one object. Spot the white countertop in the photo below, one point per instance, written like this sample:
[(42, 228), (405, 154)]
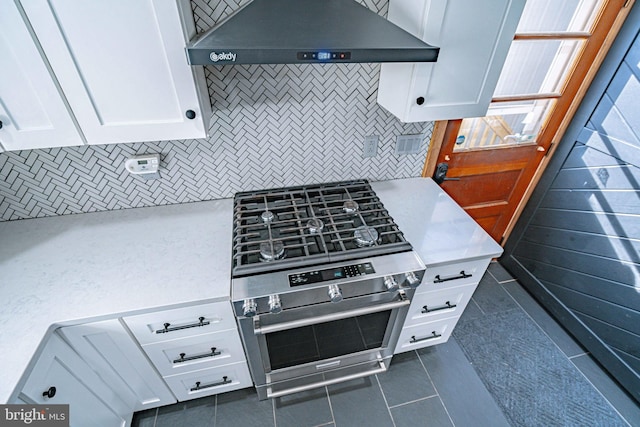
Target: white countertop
[(438, 229), (66, 268)]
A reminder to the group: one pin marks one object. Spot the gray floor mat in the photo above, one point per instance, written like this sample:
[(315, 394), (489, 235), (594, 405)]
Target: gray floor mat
[(535, 385)]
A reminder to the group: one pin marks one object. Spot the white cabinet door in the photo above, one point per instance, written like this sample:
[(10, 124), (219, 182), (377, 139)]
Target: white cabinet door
[(32, 110), (474, 38), (75, 384), (110, 351), (122, 67)]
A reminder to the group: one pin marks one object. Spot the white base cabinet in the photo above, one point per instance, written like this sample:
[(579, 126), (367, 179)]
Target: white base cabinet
[(196, 349), (109, 349), (474, 38), (439, 302), (107, 370), (63, 375)]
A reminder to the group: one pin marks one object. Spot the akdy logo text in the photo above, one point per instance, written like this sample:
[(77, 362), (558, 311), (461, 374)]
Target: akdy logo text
[(229, 56)]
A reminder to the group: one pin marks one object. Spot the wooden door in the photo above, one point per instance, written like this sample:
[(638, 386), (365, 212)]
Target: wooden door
[(486, 183), (493, 160)]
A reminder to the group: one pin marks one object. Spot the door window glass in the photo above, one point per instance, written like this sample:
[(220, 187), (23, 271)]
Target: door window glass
[(549, 40), (506, 124), (537, 66), (543, 16)]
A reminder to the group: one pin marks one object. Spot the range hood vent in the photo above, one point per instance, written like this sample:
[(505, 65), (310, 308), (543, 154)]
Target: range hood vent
[(307, 31)]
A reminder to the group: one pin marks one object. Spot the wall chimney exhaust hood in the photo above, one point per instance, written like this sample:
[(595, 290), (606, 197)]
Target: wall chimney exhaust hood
[(307, 31)]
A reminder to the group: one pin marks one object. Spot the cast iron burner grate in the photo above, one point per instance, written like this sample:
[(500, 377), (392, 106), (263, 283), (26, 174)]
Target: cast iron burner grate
[(313, 224)]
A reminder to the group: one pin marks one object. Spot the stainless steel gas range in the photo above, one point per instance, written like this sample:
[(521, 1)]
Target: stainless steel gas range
[(322, 280)]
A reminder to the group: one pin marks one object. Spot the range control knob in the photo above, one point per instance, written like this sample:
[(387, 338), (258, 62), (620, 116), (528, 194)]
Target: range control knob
[(412, 279), (249, 307), (275, 306), (390, 284), (335, 294)]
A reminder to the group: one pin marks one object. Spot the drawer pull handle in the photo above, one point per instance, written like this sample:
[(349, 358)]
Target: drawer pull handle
[(169, 328), (225, 380), (447, 306), (462, 275), (182, 358), (433, 335)]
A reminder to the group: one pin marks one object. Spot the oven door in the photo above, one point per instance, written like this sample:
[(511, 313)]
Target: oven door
[(312, 346)]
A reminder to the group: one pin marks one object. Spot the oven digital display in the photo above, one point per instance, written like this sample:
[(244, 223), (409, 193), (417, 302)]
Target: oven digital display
[(329, 274)]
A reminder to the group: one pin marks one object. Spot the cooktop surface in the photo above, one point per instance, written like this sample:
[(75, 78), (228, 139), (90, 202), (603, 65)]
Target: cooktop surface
[(313, 224)]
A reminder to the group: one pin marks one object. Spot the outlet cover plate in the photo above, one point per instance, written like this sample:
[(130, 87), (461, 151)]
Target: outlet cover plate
[(408, 144), (370, 148)]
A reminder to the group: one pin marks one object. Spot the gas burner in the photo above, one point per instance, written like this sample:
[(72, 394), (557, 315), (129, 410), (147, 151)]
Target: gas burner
[(315, 225), (310, 225), (365, 236), (271, 251), (267, 216), (350, 207)]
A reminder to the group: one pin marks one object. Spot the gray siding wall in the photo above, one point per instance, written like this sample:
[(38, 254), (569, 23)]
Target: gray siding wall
[(577, 245)]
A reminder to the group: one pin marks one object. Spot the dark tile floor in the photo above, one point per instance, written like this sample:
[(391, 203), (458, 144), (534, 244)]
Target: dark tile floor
[(440, 386)]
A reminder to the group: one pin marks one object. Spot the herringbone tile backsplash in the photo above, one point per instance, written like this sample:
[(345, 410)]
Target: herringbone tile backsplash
[(272, 126)]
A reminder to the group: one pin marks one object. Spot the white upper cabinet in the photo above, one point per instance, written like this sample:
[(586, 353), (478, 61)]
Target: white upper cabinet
[(32, 110), (122, 67), (474, 38)]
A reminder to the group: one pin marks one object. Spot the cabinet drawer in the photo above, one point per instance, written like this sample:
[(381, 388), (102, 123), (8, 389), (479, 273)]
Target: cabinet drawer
[(197, 350), (211, 381), (430, 306), (425, 334), (450, 275), (181, 322)]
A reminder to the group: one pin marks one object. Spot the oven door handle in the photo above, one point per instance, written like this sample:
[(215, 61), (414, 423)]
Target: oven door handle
[(378, 370), (263, 330)]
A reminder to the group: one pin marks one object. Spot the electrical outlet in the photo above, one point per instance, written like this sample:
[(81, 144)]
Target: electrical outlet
[(408, 144), (370, 148)]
